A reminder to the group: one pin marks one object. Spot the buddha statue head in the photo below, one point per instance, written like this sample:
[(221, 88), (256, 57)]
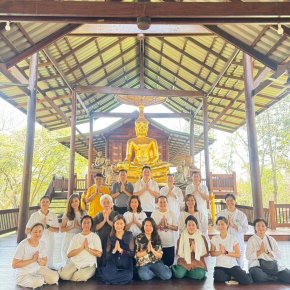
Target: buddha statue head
[(141, 124)]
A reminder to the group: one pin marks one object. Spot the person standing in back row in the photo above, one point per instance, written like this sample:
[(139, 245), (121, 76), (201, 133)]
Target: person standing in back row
[(199, 191), (148, 190), (121, 192)]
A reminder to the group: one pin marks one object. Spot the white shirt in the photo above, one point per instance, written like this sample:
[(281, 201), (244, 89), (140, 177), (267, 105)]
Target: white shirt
[(140, 217), (176, 202), (254, 245), (229, 242), (240, 220), (47, 236), (69, 222), (201, 219), (147, 199), (201, 203), (84, 258), (167, 236), (25, 251)]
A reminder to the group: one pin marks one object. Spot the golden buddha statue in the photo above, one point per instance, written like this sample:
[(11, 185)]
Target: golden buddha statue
[(141, 151)]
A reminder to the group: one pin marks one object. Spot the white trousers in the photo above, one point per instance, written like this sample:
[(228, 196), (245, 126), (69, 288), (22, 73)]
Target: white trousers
[(34, 280), (72, 273)]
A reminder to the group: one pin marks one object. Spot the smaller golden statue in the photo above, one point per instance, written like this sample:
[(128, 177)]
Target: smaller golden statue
[(141, 151), (99, 162)]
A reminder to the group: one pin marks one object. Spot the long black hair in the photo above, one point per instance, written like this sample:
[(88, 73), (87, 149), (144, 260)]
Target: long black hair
[(139, 208), (186, 199), (155, 239), (69, 210), (116, 218)]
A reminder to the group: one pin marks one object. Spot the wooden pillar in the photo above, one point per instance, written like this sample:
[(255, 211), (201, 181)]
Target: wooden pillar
[(252, 138), (205, 138), (71, 181), (90, 153), (191, 140), (29, 146), (106, 148), (272, 215)]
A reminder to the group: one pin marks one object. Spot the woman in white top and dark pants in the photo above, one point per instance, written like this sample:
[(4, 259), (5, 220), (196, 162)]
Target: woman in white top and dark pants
[(263, 247), (225, 248)]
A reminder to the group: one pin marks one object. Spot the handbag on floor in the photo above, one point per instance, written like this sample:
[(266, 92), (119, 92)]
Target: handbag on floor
[(269, 267)]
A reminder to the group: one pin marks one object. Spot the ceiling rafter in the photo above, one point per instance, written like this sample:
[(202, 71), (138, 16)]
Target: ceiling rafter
[(242, 46), (41, 44)]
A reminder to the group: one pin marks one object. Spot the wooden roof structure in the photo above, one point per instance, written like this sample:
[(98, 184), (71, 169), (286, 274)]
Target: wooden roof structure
[(201, 52)]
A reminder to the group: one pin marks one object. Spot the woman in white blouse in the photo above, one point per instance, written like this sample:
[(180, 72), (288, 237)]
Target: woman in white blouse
[(50, 223), (238, 223), (263, 247), (191, 209), (71, 223), (30, 261), (134, 216), (167, 226), (225, 247), (82, 252)]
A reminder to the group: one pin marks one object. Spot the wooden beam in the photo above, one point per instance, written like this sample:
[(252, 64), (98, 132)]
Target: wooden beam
[(90, 151), (137, 92), (41, 44), (242, 46), (191, 139), (65, 79), (280, 71), (86, 11), (252, 139), (28, 155), (135, 114), (71, 182), (205, 140)]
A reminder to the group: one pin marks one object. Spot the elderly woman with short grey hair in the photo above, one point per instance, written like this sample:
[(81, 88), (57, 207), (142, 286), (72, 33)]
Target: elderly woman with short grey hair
[(103, 222)]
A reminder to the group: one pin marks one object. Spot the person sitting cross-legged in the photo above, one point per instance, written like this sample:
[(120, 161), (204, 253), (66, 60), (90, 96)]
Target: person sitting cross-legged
[(225, 247), (82, 252), (263, 254), (30, 261), (149, 253), (120, 250), (192, 248)]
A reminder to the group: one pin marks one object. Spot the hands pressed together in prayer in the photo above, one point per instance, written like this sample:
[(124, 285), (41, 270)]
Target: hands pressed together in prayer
[(117, 248)]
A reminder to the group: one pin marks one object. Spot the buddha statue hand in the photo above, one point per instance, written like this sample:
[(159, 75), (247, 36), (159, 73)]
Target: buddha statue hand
[(123, 165)]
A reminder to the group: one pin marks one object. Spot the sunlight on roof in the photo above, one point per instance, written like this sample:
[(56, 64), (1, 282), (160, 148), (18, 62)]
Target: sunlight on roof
[(177, 124)]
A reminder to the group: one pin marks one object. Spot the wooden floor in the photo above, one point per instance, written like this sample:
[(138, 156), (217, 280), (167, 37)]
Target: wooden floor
[(7, 279)]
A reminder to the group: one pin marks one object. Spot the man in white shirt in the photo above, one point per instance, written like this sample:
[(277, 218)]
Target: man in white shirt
[(174, 196), (148, 190), (199, 191)]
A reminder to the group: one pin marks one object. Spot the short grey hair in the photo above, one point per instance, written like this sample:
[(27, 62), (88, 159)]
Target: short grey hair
[(106, 196)]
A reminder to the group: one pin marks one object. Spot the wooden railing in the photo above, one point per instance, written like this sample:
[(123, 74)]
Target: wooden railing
[(9, 219), (58, 186), (276, 215), (221, 184)]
